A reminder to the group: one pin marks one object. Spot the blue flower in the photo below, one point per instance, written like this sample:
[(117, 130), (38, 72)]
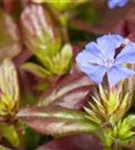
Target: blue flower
[(114, 3), (98, 58)]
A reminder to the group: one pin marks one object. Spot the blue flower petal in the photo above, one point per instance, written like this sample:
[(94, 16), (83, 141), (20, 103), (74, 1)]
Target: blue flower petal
[(93, 48), (114, 3), (122, 3), (108, 45), (118, 73), (94, 72), (127, 55), (90, 55), (98, 58)]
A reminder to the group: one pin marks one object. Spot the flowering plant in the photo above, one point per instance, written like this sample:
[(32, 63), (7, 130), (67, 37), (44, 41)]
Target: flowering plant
[(59, 92), (100, 58)]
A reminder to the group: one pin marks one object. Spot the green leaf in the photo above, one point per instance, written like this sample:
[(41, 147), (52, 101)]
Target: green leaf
[(113, 101), (55, 65), (9, 132), (66, 52), (124, 130), (60, 63), (10, 43), (121, 110), (121, 132), (60, 4), (56, 120), (130, 120), (109, 106), (36, 70), (107, 138), (31, 138)]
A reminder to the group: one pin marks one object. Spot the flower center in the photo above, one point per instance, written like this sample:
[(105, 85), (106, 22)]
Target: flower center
[(108, 63)]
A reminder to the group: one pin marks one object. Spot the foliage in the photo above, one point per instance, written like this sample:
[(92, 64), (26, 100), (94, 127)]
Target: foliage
[(9, 94), (56, 120), (10, 42), (44, 96), (108, 107)]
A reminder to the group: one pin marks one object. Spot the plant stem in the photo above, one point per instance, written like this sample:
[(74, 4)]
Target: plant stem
[(117, 145)]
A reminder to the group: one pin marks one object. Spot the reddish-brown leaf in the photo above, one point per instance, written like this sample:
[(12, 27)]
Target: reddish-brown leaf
[(10, 44), (56, 120), (70, 91), (81, 142)]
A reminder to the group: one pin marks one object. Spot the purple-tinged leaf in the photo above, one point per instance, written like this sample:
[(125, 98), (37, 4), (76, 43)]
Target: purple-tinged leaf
[(8, 80), (40, 31), (10, 45), (9, 90), (8, 5), (56, 120), (28, 82), (23, 57), (79, 142), (69, 91), (121, 21)]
